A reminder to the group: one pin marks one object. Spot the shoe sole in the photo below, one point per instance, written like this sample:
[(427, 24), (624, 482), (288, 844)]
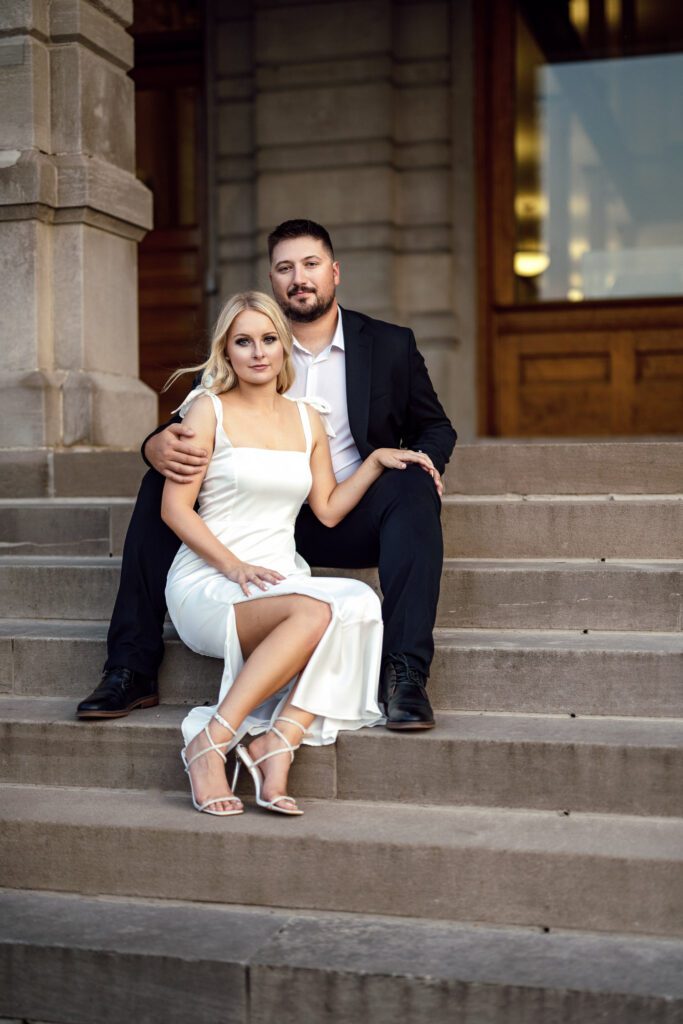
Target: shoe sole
[(409, 726), (144, 702)]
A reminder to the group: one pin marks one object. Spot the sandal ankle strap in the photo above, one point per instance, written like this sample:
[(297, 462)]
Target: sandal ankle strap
[(224, 722), (292, 721)]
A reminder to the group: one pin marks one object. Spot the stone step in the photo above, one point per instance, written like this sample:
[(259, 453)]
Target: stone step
[(530, 672), (148, 960), (486, 467), (541, 527), (566, 467), (475, 593), (474, 527), (531, 868), (610, 765)]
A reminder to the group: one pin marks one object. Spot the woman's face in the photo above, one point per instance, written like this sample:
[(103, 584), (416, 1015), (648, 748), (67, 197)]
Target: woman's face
[(254, 348)]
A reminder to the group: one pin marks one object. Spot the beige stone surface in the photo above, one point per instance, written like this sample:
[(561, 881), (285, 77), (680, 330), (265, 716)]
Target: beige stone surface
[(25, 270), (30, 15), (423, 197), (356, 111), (80, 20), (24, 94), (347, 195), (422, 29), (92, 106), (342, 29), (424, 282), (422, 114)]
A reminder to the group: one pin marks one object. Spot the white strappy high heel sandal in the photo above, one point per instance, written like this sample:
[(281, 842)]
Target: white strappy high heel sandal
[(218, 747), (252, 767)]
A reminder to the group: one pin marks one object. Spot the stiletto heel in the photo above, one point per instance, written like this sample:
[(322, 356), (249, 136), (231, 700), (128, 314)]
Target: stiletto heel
[(252, 767), (218, 748)]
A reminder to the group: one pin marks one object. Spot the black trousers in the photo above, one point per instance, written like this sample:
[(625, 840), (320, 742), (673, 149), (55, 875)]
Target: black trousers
[(396, 526)]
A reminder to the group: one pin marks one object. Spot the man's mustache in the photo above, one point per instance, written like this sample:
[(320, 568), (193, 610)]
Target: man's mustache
[(298, 291)]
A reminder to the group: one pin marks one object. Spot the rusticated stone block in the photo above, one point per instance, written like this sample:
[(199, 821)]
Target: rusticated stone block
[(422, 29), (92, 104), (336, 196), (359, 111), (423, 114), (24, 94), (76, 19), (235, 206), (423, 197), (24, 294), (424, 282), (30, 15), (345, 29), (95, 300)]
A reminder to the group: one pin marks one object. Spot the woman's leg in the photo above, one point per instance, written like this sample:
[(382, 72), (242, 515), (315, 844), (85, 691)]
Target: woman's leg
[(277, 636)]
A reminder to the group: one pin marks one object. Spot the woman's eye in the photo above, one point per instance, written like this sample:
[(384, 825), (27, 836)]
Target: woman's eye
[(270, 339), (242, 341)]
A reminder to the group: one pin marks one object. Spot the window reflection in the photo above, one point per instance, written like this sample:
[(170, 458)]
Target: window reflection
[(598, 150)]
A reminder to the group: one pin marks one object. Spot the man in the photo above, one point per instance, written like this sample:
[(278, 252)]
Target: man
[(380, 394)]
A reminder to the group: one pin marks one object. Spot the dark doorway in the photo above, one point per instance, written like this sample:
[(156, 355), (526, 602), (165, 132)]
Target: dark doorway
[(170, 117)]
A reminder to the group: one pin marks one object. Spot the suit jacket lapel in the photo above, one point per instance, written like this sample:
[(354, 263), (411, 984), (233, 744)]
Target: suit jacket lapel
[(358, 358)]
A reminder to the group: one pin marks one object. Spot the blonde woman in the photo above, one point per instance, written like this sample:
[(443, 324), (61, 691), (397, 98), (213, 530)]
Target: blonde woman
[(301, 654)]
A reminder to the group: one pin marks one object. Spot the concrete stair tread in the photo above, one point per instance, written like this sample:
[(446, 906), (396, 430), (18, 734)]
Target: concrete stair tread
[(187, 933), (462, 639), (451, 726), (475, 593), (594, 872), (543, 762), (474, 526), (610, 837)]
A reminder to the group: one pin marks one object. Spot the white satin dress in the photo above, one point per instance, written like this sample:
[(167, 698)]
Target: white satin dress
[(249, 499)]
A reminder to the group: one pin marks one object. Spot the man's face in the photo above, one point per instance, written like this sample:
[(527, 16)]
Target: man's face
[(304, 278)]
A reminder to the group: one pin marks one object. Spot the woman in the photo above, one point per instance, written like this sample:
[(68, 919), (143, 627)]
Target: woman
[(238, 590)]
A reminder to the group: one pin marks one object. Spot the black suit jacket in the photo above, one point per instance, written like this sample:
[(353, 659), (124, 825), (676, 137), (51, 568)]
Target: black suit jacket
[(391, 400)]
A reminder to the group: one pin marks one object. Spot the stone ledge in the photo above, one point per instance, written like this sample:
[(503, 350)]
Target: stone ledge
[(30, 17), (74, 186), (80, 22), (61, 407)]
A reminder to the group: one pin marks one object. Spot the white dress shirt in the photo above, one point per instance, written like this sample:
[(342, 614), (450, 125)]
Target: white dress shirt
[(324, 376)]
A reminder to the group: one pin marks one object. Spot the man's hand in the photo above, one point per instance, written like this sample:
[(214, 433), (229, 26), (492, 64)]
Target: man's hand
[(173, 456), (435, 475)]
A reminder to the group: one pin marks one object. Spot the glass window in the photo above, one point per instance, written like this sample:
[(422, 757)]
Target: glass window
[(598, 149)]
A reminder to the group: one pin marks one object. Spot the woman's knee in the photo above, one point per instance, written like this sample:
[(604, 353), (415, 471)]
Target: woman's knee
[(314, 616)]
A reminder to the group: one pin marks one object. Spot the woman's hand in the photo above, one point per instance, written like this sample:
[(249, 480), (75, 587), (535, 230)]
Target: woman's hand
[(400, 458), (246, 574)]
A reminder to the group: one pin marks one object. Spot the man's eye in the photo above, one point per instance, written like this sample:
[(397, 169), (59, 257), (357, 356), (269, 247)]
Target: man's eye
[(312, 265)]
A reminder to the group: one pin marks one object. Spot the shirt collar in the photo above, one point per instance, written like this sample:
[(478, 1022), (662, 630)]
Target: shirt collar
[(337, 337)]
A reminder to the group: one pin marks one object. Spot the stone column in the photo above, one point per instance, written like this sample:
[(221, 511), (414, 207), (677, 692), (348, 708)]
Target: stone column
[(71, 215)]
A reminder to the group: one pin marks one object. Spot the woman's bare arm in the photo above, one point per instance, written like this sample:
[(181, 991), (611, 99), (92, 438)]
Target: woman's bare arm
[(331, 501)]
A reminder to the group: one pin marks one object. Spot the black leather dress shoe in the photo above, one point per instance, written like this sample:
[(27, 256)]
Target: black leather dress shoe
[(405, 697), (120, 691)]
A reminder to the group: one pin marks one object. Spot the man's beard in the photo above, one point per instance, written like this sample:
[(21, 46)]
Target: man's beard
[(308, 314)]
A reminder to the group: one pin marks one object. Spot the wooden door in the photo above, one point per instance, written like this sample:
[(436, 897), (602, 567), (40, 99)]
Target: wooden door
[(565, 348), (169, 137)]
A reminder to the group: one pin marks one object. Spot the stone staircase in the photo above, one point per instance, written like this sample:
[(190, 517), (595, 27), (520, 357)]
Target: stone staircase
[(520, 864)]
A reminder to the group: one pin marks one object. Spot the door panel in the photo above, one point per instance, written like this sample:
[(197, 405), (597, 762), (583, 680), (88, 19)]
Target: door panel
[(581, 149)]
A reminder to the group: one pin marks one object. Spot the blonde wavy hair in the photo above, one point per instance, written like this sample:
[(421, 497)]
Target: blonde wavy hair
[(217, 373)]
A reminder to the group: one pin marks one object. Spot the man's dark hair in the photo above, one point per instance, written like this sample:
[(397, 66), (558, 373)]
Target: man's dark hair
[(299, 229)]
